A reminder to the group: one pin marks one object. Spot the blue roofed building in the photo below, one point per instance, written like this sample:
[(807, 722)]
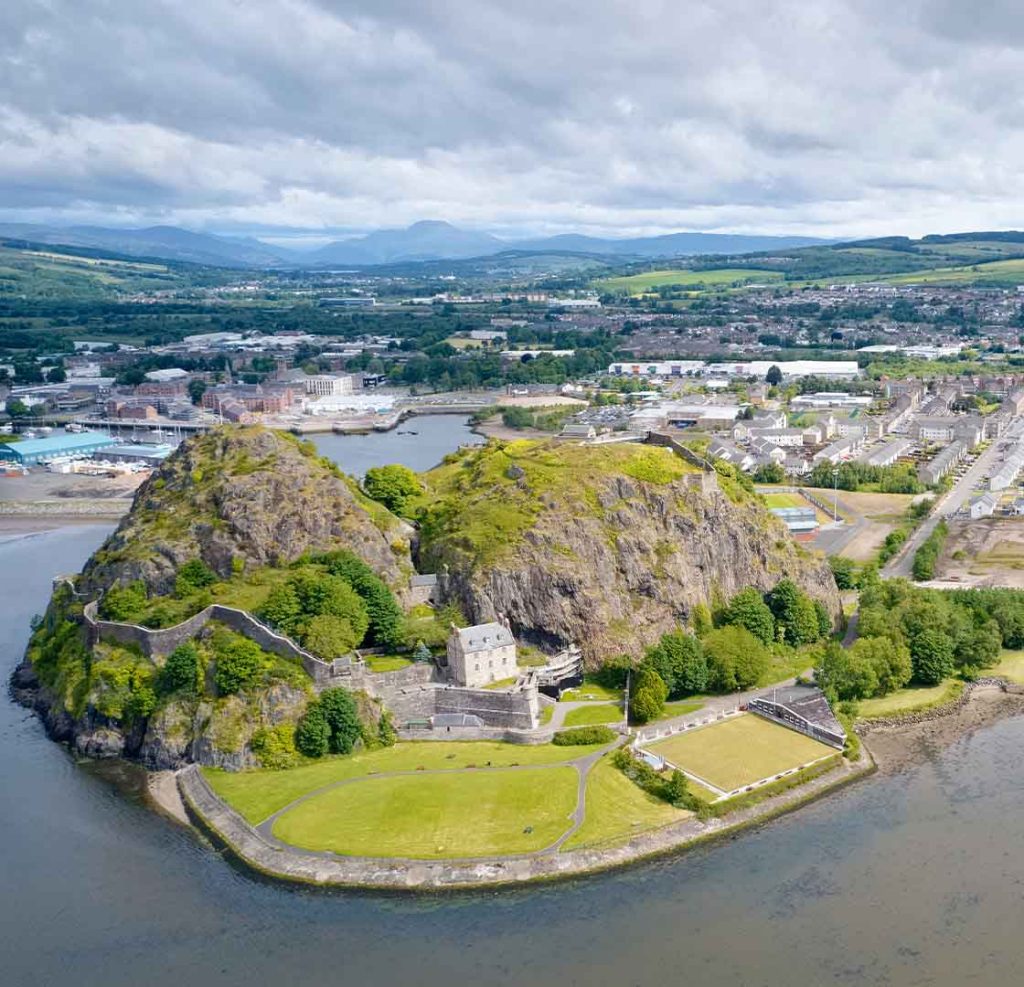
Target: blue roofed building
[(32, 452)]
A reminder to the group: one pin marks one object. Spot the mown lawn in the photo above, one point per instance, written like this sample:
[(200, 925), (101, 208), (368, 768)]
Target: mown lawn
[(740, 751), (593, 713), (1010, 667), (638, 284), (679, 708), (386, 663), (430, 816), (591, 691), (259, 794), (910, 700), (618, 809)]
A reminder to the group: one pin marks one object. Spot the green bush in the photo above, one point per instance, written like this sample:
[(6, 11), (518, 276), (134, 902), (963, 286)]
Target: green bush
[(582, 736), (748, 609), (181, 670), (313, 735), (275, 746), (124, 603), (392, 485), (329, 637), (647, 695), (192, 576), (238, 663), (679, 659)]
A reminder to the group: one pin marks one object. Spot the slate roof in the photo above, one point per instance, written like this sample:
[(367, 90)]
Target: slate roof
[(483, 637)]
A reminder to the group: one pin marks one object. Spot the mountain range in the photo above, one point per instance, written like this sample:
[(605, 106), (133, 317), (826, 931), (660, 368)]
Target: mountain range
[(423, 241)]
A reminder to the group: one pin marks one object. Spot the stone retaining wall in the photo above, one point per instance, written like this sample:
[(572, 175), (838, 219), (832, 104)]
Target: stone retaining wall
[(331, 870), (160, 642), (935, 712)]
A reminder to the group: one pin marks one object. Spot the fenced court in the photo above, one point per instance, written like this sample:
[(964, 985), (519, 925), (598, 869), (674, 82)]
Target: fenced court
[(737, 752)]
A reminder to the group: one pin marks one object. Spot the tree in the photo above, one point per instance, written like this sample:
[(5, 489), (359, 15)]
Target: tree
[(196, 390), (282, 608), (384, 613), (748, 609), (57, 375), (239, 663), (647, 696), (677, 791), (392, 486), (844, 571), (342, 716), (774, 376), (736, 659), (679, 659), (421, 652), (313, 735), (794, 613), (17, 408), (931, 652), (770, 473), (980, 647), (181, 670), (319, 594), (845, 674), (329, 637)]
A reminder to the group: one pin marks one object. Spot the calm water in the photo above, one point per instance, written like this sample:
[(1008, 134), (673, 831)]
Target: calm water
[(905, 880), (420, 443)]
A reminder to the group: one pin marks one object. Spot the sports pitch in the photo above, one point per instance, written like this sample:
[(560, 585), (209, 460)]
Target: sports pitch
[(739, 751)]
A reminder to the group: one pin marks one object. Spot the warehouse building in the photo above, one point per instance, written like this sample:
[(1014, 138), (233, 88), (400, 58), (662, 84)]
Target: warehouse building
[(32, 452)]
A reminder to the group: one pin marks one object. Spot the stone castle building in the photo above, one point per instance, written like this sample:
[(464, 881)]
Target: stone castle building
[(481, 654)]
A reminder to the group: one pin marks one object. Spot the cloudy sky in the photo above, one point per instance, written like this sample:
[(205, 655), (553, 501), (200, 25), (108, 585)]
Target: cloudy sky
[(827, 117)]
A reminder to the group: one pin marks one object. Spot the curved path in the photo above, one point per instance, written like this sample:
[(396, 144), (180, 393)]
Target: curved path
[(582, 765)]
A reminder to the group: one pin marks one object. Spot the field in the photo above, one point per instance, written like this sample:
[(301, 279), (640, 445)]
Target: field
[(740, 751), (1011, 666), (443, 814), (723, 277), (617, 809), (1000, 272), (591, 691), (785, 500), (881, 513), (593, 713), (910, 700), (987, 552), (259, 794)]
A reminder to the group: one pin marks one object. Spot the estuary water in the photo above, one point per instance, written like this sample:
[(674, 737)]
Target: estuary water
[(907, 879)]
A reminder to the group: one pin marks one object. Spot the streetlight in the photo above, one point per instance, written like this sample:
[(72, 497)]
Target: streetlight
[(835, 494)]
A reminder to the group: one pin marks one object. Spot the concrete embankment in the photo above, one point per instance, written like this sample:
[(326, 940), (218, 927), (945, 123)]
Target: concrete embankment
[(331, 870)]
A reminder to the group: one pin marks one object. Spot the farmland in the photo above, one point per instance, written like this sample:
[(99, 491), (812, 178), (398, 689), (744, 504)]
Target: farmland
[(723, 277)]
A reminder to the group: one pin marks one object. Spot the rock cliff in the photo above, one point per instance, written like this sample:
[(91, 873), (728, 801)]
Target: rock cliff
[(240, 497), (608, 547)]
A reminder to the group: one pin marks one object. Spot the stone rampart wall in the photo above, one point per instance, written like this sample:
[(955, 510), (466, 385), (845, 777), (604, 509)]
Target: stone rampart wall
[(516, 710)]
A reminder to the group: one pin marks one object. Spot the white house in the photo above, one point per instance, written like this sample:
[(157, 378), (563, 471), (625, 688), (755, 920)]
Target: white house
[(481, 654)]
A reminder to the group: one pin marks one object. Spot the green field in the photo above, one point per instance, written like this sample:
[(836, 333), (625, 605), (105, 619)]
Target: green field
[(259, 794), (1009, 272), (679, 708), (618, 809), (593, 713), (740, 751), (722, 277), (1010, 667), (431, 816), (387, 663), (910, 700), (785, 500), (591, 691)]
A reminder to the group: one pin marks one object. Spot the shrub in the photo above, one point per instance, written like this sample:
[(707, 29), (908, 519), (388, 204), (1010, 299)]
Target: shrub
[(393, 486), (342, 717), (844, 571), (329, 637), (581, 736), (612, 674), (192, 576), (239, 663), (124, 603), (275, 746), (181, 670), (312, 735)]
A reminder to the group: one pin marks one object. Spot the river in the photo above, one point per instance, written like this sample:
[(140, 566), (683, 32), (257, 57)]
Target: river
[(906, 879)]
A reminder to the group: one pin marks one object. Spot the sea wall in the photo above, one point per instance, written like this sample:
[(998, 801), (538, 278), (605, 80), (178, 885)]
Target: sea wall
[(273, 859)]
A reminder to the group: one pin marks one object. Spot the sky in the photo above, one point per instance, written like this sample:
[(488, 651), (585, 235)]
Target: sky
[(521, 117)]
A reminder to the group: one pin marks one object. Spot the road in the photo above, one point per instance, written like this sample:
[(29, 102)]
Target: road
[(949, 503)]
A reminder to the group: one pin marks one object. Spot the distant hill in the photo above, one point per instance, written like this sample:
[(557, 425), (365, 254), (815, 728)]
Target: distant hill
[(430, 240), (160, 242)]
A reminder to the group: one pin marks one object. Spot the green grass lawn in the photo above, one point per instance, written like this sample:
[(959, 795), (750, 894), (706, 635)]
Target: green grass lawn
[(258, 794), (638, 284), (386, 663), (910, 700), (740, 751), (618, 809), (680, 708), (1010, 667), (502, 683), (591, 691), (594, 713), (430, 816), (785, 500)]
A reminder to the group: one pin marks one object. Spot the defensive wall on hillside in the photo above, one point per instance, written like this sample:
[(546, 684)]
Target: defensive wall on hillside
[(416, 693)]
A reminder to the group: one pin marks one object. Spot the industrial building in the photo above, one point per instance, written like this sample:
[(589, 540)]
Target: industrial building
[(32, 452), (151, 455)]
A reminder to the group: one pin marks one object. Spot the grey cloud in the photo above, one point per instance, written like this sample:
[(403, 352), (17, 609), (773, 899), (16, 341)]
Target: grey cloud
[(852, 116)]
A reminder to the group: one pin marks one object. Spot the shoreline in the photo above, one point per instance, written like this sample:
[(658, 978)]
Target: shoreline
[(213, 817)]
